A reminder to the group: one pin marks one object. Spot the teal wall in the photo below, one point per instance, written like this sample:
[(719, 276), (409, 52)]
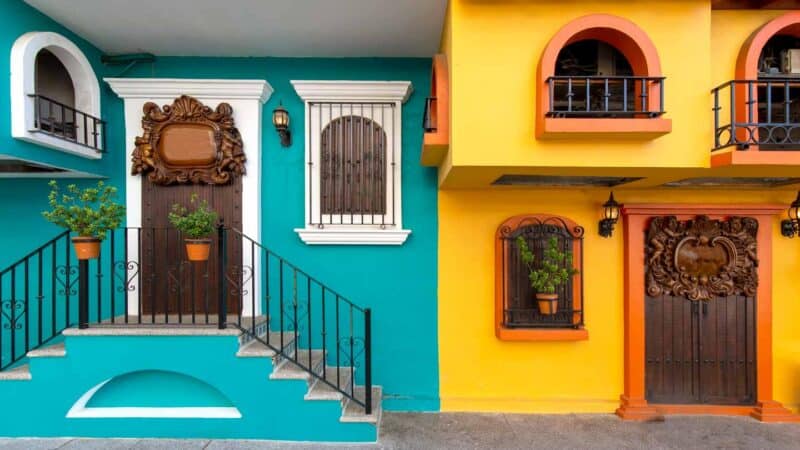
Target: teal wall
[(399, 283), (270, 409), (22, 200)]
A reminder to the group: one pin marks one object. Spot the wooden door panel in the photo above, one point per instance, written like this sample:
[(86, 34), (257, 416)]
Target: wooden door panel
[(670, 344), (727, 351)]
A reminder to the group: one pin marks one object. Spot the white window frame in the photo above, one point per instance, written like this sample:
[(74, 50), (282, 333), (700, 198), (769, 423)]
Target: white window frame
[(23, 85), (343, 233)]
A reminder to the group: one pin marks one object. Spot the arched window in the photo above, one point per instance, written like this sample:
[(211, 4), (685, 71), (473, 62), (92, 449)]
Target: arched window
[(600, 67), (55, 95), (54, 85), (518, 308), (353, 167)]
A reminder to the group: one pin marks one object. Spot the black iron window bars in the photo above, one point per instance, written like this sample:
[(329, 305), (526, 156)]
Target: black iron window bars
[(65, 122)]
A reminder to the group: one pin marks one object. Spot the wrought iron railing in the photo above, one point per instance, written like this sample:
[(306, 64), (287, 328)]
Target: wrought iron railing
[(763, 112), (351, 164), (65, 122), (520, 309), (429, 117), (308, 315), (142, 278), (605, 96)]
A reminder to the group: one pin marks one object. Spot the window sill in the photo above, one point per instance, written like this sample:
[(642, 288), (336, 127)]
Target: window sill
[(541, 334), (59, 144), (352, 236), (643, 128)]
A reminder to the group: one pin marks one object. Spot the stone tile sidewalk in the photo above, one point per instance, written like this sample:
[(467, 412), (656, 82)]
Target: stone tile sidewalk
[(497, 431)]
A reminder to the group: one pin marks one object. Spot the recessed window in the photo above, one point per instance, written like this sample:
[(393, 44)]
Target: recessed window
[(353, 160), (55, 95), (544, 291)]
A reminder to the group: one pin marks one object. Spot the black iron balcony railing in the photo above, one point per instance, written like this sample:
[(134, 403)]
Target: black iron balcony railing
[(763, 113), (605, 97), (429, 119), (142, 278), (65, 122)]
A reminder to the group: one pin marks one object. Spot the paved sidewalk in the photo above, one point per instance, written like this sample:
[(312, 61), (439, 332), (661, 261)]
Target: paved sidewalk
[(498, 431)]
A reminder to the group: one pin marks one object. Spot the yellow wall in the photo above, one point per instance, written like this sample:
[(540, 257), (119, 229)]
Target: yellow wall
[(478, 372)]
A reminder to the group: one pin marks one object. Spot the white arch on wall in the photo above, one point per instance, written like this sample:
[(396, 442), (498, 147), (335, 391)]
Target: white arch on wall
[(23, 83)]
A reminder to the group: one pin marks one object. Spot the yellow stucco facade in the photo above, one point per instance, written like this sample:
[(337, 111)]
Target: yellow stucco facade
[(493, 50)]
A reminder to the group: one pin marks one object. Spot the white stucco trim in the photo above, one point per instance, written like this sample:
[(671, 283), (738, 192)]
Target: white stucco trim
[(246, 97), (315, 92), (23, 84), (80, 411)]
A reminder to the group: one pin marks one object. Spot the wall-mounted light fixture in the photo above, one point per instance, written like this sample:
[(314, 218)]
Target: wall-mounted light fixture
[(610, 216), (791, 227), (280, 118)]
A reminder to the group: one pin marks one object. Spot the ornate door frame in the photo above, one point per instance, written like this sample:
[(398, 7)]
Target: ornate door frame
[(636, 217), (247, 98)]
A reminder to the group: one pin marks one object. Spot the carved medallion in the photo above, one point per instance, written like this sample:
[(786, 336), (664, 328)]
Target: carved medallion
[(702, 258), (188, 142)]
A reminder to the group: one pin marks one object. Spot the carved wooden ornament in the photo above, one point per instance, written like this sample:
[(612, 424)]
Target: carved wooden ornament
[(702, 258), (188, 142)]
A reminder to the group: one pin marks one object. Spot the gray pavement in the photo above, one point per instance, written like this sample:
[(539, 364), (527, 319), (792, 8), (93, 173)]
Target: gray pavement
[(497, 431)]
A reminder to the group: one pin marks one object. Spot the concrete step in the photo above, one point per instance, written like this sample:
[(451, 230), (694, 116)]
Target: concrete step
[(353, 412), (58, 350), (322, 391), (257, 349), (19, 373), (287, 369)]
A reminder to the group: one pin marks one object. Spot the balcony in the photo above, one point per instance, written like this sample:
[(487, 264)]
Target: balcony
[(64, 122), (435, 121), (757, 121), (602, 105)]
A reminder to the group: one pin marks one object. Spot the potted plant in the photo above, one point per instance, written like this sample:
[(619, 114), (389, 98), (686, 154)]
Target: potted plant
[(88, 212), (554, 270), (196, 226)]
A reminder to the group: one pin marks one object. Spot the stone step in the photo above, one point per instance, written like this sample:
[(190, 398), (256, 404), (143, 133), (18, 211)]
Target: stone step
[(353, 412), (287, 369), (20, 373), (58, 350), (322, 391)]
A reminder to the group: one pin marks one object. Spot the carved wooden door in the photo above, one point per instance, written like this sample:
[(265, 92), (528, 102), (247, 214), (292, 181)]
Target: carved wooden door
[(700, 304), (187, 149)]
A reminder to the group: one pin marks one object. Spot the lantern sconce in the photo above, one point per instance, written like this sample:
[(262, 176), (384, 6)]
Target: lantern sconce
[(791, 227), (280, 118), (610, 216)]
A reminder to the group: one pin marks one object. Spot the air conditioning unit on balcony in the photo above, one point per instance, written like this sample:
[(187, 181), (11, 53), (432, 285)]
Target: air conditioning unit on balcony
[(790, 61)]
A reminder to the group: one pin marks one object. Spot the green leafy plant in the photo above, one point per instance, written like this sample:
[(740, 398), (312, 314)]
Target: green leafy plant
[(86, 212), (197, 224), (554, 269)]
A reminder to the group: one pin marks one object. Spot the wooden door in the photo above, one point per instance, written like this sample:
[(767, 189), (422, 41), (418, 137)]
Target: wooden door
[(700, 307), (188, 148)]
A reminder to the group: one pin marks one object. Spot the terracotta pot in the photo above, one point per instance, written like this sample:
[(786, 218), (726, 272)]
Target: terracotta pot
[(548, 303), (86, 247), (198, 249)]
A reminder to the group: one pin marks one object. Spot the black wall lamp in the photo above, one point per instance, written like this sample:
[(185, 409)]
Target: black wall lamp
[(610, 216), (280, 118), (791, 227)]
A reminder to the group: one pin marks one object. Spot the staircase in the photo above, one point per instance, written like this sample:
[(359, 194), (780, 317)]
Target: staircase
[(300, 373)]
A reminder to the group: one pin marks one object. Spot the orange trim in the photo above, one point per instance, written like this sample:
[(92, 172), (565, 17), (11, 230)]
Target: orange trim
[(633, 405), (589, 128), (719, 410), (511, 334), (747, 69), (755, 158), (436, 144), (516, 334), (620, 33)]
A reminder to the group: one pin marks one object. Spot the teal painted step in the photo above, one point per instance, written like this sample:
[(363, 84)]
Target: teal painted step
[(257, 394)]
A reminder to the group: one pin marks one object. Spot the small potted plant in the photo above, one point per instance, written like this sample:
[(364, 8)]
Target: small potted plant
[(89, 212), (554, 270), (196, 227)]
